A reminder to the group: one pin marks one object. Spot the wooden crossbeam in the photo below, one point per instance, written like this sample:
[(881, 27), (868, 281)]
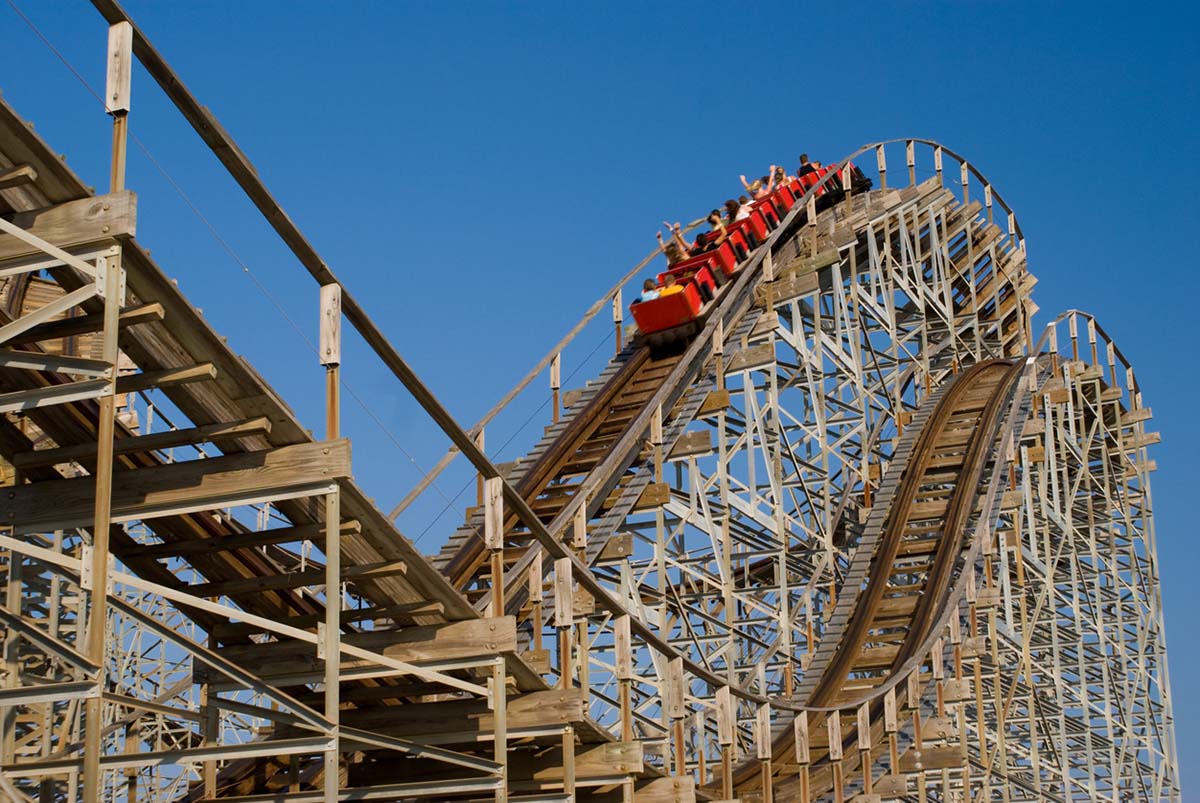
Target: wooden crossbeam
[(527, 771), (86, 324), (58, 363), (165, 378), (452, 641), (74, 223), (466, 721), (204, 546), (147, 443), (306, 577), (403, 613), (51, 394), (17, 176), (215, 482)]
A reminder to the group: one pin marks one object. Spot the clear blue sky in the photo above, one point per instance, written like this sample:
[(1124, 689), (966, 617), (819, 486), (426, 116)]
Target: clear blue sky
[(461, 165)]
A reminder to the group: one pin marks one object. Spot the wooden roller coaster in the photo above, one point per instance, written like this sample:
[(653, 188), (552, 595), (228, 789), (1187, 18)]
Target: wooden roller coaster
[(863, 537)]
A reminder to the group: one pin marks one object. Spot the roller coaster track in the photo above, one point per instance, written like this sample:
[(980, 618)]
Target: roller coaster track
[(822, 550)]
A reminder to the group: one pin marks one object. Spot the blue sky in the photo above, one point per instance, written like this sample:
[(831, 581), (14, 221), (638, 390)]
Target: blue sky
[(462, 166)]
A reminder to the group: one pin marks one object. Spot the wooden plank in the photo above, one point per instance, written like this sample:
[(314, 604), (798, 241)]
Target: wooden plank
[(714, 402), (692, 444), (679, 789), (167, 377), (86, 324), (617, 547), (192, 485), (74, 223), (931, 758), (655, 495), (453, 641), (166, 439), (750, 358)]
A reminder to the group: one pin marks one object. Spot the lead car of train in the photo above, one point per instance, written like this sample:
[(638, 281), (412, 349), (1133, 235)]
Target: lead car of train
[(678, 316)]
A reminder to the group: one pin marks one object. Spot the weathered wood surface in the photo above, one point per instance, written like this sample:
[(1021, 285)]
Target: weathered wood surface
[(144, 493), (75, 223)]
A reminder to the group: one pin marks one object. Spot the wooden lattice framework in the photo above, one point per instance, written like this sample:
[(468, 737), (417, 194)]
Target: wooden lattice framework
[(655, 626)]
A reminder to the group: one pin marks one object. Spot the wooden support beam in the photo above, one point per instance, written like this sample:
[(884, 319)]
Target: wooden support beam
[(473, 638), (146, 443), (528, 770), (51, 395), (57, 363), (17, 176), (216, 482), (205, 546), (86, 324), (166, 377), (279, 582), (74, 223), (404, 613), (469, 721)]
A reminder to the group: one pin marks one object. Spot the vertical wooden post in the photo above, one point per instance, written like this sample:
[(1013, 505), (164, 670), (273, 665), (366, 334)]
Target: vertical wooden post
[(676, 706), (555, 384), (563, 618), (110, 274), (623, 646), (117, 91), (500, 727), (535, 597), (762, 743), (493, 537), (12, 646), (116, 96), (618, 317), (332, 632), (937, 165), (725, 727), (834, 725), (881, 165), (330, 353), (911, 157), (568, 750), (803, 757)]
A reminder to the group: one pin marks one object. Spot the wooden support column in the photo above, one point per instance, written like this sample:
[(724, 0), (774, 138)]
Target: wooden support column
[(12, 667), (834, 725), (762, 743), (725, 728), (555, 385), (803, 757), (493, 538), (618, 318), (563, 618), (881, 165), (676, 707), (330, 351), (108, 274), (568, 752), (330, 354), (623, 646), (499, 705)]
